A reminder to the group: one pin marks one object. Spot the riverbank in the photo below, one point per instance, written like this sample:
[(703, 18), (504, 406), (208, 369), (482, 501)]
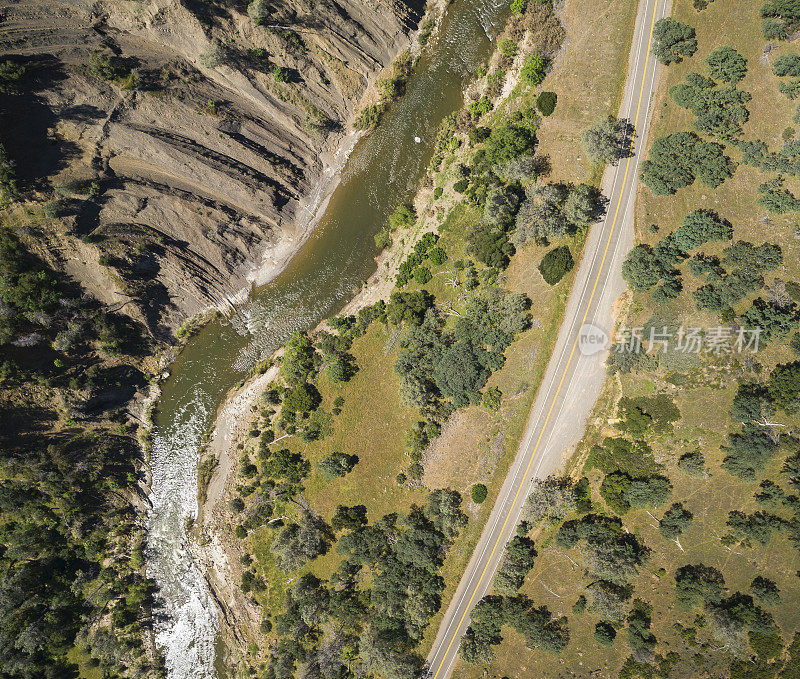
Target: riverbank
[(485, 443)]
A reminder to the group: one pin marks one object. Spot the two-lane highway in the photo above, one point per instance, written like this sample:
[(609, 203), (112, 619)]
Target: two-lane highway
[(575, 374)]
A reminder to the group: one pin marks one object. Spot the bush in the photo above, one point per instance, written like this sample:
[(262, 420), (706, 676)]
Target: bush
[(214, 56), (437, 192), (479, 493), (508, 48), (673, 40), (461, 185), (383, 239), (532, 71), (556, 264), (546, 103), (519, 6), (258, 11), (403, 216)]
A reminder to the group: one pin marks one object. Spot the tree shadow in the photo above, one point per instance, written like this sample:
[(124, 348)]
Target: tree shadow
[(27, 121)]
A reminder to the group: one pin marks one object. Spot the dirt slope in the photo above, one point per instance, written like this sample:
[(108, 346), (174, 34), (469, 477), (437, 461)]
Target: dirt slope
[(205, 178)]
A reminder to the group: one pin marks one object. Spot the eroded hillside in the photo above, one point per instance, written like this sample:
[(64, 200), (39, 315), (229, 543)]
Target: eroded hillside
[(185, 143)]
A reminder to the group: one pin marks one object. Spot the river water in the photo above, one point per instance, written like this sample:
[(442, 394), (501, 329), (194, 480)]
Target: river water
[(382, 172)]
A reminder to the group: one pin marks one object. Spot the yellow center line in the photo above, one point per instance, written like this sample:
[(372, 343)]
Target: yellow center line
[(569, 360)]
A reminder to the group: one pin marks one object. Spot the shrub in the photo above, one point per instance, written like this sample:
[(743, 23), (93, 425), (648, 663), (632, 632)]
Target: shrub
[(546, 103), (532, 71), (383, 239), (519, 6), (437, 192), (479, 493), (556, 264), (508, 48), (215, 55), (461, 185), (258, 11)]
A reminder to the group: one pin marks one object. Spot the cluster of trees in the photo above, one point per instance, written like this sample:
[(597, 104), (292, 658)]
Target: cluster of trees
[(780, 18), (541, 629), (678, 159), (736, 275), (72, 549), (517, 562), (645, 266), (413, 267), (551, 211), (735, 620), (391, 88), (719, 111), (436, 364), (379, 601)]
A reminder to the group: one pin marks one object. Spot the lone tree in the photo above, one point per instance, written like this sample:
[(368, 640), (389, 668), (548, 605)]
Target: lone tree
[(608, 140), (673, 40), (726, 64)]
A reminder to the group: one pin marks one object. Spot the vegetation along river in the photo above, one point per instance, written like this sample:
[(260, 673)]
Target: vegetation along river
[(382, 172)]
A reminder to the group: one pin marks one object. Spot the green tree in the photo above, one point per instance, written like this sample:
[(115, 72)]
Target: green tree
[(604, 633), (608, 140), (698, 583), (302, 399), (726, 64), (766, 590), (297, 362), (784, 386), (349, 518), (676, 520), (701, 227), (533, 70), (337, 464), (673, 40), (556, 264), (675, 161)]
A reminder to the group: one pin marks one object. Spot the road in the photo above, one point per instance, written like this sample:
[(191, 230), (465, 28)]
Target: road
[(574, 377)]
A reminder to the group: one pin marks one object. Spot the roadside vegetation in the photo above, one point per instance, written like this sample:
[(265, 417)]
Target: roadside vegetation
[(670, 547)]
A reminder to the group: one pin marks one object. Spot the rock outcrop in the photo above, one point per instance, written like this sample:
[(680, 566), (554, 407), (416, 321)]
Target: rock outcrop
[(189, 146)]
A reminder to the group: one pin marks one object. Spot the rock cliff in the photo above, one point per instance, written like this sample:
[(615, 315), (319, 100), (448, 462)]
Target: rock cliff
[(187, 145)]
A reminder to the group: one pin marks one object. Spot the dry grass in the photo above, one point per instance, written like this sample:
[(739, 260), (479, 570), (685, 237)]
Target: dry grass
[(555, 581)]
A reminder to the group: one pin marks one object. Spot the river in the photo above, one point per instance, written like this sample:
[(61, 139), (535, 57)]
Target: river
[(383, 171)]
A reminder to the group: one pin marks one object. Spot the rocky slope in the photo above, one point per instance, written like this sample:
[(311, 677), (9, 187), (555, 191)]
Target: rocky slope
[(188, 147)]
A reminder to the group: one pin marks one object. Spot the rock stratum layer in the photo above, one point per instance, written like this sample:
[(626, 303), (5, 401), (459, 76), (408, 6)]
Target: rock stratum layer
[(197, 167)]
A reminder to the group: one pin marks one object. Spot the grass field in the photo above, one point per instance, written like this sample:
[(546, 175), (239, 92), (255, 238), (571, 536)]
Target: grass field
[(703, 398)]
